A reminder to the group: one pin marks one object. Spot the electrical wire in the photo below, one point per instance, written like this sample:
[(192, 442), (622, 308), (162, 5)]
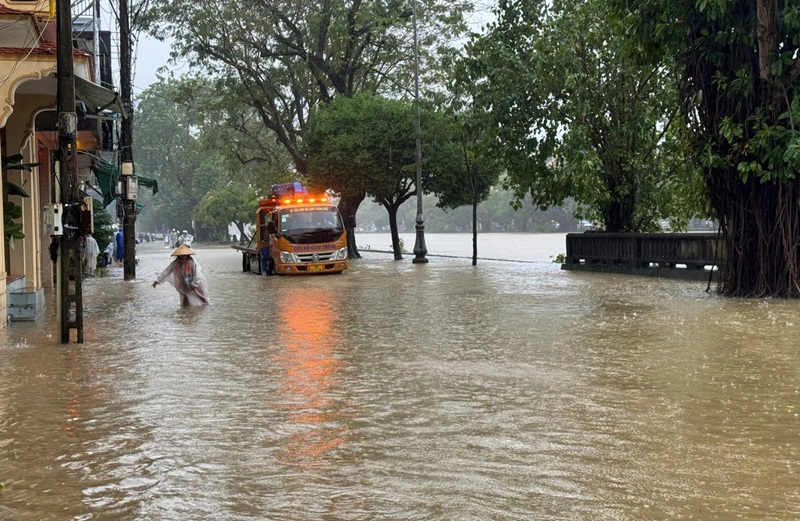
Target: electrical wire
[(19, 60)]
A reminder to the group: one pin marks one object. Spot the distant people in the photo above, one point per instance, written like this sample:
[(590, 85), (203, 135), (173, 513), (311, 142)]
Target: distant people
[(185, 238), (90, 252), (119, 247), (109, 252), (186, 277)]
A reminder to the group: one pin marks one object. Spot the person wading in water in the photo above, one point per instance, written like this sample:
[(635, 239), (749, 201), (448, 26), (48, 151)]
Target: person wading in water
[(185, 275)]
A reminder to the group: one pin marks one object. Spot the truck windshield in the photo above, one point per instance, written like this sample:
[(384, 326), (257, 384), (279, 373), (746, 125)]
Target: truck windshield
[(301, 220)]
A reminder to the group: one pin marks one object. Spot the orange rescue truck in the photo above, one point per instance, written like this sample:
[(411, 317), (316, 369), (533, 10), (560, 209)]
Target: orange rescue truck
[(296, 234)]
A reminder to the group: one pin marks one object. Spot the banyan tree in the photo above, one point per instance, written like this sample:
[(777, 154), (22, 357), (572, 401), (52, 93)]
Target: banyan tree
[(739, 65)]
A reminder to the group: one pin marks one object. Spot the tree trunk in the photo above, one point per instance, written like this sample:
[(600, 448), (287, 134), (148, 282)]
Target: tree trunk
[(398, 251), (761, 225), (618, 213), (767, 35), (348, 207), (243, 237)]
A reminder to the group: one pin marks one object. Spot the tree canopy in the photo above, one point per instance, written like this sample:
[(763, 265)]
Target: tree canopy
[(206, 156), (573, 113), (740, 101), (167, 148), (283, 57), (367, 145)]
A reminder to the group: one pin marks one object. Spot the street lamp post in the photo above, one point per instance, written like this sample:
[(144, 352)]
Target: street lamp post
[(420, 250)]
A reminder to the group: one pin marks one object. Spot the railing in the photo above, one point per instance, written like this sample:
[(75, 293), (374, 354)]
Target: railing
[(660, 254)]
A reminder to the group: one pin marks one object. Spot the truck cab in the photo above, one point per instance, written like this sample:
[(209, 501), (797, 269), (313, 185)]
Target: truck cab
[(296, 234)]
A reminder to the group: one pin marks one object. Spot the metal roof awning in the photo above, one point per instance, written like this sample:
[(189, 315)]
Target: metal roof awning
[(98, 98), (107, 175)]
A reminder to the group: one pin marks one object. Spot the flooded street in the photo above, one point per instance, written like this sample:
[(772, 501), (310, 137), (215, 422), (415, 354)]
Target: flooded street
[(505, 391)]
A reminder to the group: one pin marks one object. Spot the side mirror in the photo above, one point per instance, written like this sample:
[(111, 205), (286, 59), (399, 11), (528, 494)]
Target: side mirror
[(271, 228)]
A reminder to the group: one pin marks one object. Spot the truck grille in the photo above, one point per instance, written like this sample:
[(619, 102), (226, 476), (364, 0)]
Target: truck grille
[(320, 256)]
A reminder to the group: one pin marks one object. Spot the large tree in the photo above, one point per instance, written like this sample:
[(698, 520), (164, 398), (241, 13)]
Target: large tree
[(235, 203), (283, 57), (367, 144), (198, 144), (574, 113), (740, 99), (167, 148), (235, 131)]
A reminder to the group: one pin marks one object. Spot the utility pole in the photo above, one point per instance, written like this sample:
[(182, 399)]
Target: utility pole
[(129, 182), (68, 264)]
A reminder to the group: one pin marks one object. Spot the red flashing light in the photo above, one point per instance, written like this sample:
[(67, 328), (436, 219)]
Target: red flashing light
[(287, 201)]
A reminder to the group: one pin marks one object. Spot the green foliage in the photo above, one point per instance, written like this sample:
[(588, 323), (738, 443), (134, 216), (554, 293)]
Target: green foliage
[(166, 148), (197, 145), (475, 170), (739, 100), (233, 129), (233, 203), (296, 54), (103, 221), (364, 145), (12, 228), (367, 144), (573, 112), (561, 258), (12, 211)]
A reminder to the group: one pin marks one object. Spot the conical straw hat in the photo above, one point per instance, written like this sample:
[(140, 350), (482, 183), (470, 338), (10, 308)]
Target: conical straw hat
[(182, 250)]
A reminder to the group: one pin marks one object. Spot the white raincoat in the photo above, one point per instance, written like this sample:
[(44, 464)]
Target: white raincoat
[(90, 252), (186, 277)]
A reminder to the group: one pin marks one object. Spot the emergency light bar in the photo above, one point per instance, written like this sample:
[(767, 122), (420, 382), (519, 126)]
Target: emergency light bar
[(275, 201)]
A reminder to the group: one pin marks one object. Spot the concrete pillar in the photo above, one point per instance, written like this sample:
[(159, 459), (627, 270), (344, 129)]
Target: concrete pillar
[(25, 257), (3, 294)]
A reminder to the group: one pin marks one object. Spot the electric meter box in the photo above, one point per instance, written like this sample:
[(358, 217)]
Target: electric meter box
[(132, 190), (53, 217)]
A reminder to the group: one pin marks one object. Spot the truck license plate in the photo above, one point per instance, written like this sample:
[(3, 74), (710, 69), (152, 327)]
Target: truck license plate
[(316, 268)]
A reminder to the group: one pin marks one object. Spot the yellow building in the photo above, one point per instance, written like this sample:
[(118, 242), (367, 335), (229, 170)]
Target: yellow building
[(28, 89)]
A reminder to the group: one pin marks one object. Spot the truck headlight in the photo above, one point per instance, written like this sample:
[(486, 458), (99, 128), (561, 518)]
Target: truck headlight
[(341, 254), (288, 257)]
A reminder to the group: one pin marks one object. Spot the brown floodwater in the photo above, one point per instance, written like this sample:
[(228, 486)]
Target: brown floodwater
[(505, 391)]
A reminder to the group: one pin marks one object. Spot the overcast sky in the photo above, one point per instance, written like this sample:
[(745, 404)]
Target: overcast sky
[(152, 54)]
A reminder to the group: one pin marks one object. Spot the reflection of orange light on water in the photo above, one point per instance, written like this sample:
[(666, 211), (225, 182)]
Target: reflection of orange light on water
[(74, 415), (310, 448), (308, 334)]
